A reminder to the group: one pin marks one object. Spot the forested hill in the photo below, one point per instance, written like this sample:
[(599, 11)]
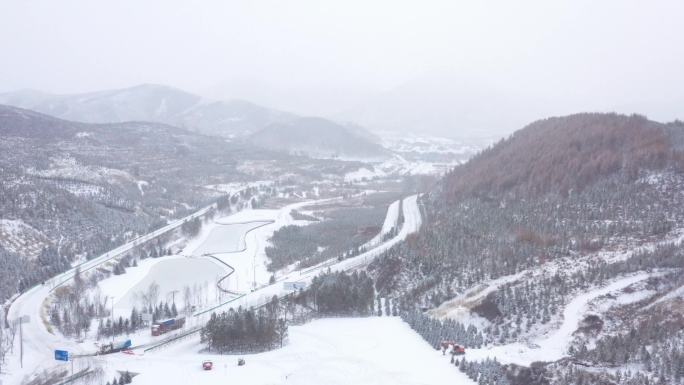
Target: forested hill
[(561, 208), (319, 138), (83, 188), (565, 185), (564, 154)]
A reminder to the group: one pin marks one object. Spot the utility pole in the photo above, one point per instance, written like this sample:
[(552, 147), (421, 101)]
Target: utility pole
[(21, 345), (112, 330), (254, 268), (173, 296)]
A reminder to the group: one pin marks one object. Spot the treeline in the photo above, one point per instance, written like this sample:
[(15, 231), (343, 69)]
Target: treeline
[(123, 325), (487, 372), (340, 294), (341, 233), (254, 330), (655, 344), (71, 312), (124, 378), (245, 330), (435, 331)]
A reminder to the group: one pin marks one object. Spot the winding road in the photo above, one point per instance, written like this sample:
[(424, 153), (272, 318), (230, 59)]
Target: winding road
[(40, 341)]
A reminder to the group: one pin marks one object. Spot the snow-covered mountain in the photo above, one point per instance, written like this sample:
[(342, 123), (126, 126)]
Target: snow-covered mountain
[(558, 252), (319, 138), (79, 188), (152, 103)]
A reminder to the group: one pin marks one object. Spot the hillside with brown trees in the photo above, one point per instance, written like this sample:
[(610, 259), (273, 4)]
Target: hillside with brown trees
[(542, 212), (565, 154)]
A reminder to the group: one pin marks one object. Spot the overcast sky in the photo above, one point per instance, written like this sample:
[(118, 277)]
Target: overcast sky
[(342, 58)]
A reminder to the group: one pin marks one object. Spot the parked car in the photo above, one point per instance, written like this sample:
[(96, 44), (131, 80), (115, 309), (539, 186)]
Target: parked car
[(207, 365)]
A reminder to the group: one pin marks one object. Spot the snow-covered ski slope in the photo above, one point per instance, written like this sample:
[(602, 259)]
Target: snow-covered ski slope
[(359, 351)]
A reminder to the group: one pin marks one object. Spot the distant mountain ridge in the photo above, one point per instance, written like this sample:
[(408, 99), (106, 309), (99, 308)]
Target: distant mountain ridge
[(153, 103), (318, 138), (315, 137)]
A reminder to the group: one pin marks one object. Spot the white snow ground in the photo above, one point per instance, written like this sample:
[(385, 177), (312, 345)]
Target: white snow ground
[(172, 274), (225, 238), (359, 351)]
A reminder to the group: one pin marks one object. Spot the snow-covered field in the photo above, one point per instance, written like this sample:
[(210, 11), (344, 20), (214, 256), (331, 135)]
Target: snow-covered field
[(414, 155), (376, 350), (225, 238), (173, 274), (398, 166)]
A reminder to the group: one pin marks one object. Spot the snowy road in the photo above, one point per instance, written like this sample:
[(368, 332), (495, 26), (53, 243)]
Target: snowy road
[(554, 345), (39, 343)]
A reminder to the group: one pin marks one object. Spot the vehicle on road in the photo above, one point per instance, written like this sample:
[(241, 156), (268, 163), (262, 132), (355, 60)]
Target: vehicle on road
[(207, 365), (165, 326), (114, 347)]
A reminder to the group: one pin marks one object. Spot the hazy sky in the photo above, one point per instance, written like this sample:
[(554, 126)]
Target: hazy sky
[(332, 57)]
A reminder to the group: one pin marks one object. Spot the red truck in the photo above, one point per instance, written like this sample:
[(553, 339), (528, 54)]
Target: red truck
[(165, 326), (456, 350)]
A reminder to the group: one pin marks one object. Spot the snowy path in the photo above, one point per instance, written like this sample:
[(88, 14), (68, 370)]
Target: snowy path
[(553, 346), (458, 308)]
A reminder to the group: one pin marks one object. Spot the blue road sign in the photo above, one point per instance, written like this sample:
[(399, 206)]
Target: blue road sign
[(61, 355)]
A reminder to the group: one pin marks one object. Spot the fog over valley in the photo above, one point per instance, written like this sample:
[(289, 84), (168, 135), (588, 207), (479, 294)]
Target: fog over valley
[(341, 192)]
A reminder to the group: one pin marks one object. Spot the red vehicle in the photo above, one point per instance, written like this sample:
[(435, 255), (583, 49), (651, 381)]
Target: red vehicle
[(456, 349), (207, 365), (165, 326)]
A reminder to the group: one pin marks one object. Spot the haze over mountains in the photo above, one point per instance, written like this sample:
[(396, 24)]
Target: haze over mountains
[(317, 137), (152, 103), (263, 127)]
